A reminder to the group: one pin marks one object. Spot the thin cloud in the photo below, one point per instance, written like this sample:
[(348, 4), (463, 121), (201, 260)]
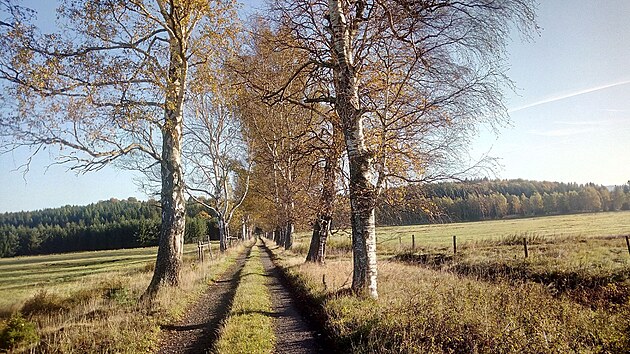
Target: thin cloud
[(568, 95), (594, 123), (581, 122), (559, 132)]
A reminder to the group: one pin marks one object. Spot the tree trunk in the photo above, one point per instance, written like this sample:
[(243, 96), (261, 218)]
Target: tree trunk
[(227, 234), (222, 234), (317, 248), (362, 190), (173, 202), (243, 229), (321, 228), (288, 235), (363, 246), (276, 235), (289, 225)]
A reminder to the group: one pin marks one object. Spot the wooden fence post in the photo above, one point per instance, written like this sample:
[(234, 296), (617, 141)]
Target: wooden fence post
[(454, 245), (525, 247), (199, 251), (628, 243), (210, 248), (413, 242)]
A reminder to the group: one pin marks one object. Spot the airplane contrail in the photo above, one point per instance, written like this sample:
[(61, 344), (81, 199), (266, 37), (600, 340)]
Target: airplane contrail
[(568, 95)]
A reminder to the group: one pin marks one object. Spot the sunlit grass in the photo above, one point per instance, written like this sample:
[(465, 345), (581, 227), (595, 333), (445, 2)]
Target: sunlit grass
[(569, 295), (249, 325), (96, 309), (22, 276), (439, 236), (429, 311)]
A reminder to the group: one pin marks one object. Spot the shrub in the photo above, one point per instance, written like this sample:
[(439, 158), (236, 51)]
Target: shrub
[(120, 295), (44, 302), (18, 331)]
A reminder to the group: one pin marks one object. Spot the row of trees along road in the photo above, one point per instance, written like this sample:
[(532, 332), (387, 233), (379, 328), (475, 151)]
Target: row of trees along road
[(408, 81), (381, 93)]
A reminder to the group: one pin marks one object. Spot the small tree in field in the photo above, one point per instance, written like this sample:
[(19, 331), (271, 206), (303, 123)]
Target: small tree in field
[(112, 83)]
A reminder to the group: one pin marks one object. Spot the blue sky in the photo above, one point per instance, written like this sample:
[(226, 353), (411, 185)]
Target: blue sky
[(570, 114)]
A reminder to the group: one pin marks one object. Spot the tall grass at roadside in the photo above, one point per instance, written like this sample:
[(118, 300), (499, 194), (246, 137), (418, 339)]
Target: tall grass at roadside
[(249, 325), (100, 312), (422, 310), (573, 255)]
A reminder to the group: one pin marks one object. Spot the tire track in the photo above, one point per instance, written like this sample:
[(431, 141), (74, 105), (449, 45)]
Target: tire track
[(198, 331), (294, 335)]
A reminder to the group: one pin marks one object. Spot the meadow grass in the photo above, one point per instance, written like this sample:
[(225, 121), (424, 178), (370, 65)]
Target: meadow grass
[(486, 299), (249, 325), (99, 311), (422, 310), (20, 277), (438, 237), (590, 244)]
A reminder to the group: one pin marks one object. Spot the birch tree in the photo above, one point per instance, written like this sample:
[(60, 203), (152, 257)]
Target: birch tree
[(408, 80), (110, 86), (219, 158)]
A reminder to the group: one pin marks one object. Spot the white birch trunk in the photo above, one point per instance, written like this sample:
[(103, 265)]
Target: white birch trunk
[(362, 190), (173, 202)]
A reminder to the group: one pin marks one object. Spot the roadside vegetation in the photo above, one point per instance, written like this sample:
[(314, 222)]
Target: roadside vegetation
[(89, 302), (249, 325), (570, 295)]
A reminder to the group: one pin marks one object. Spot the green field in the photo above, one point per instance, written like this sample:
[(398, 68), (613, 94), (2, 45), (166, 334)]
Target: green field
[(89, 301), (580, 247), (440, 236), (21, 277), (576, 225)]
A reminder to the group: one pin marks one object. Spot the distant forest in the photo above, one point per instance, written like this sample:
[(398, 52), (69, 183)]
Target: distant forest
[(111, 224), (495, 199), (115, 224)]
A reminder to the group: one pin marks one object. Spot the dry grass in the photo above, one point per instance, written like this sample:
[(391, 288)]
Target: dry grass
[(100, 312), (424, 310), (66, 273)]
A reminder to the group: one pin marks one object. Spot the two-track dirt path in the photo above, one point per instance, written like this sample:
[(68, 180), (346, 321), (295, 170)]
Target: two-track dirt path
[(198, 331), (293, 333)]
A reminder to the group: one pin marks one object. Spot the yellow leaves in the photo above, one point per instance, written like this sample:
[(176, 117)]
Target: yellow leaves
[(204, 215)]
